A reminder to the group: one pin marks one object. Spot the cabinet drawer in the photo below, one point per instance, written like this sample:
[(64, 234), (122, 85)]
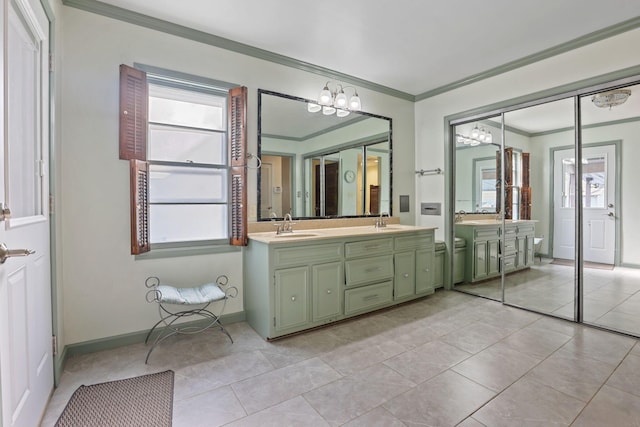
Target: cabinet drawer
[(510, 247), (510, 231), (509, 263), (526, 229), (367, 270), (297, 255), (414, 242), (368, 247), (486, 233), (367, 297)]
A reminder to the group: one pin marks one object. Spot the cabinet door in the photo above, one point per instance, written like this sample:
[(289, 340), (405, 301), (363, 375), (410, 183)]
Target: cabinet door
[(521, 244), (494, 257), (438, 271), (326, 285), (480, 260), (458, 265), (428, 268), (530, 255), (291, 298), (404, 283)]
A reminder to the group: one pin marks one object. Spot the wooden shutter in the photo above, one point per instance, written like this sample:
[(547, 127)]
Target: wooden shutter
[(134, 106), (139, 207), (238, 154)]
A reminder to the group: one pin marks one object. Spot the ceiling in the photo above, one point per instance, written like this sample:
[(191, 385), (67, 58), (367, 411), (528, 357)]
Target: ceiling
[(410, 46)]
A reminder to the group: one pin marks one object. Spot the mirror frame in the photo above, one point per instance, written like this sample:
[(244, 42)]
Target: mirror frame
[(259, 154)]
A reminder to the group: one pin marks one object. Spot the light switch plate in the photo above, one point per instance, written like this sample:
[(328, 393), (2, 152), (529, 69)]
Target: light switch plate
[(404, 203)]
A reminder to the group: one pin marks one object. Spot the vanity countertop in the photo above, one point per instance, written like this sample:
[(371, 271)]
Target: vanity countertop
[(329, 233), (480, 222)]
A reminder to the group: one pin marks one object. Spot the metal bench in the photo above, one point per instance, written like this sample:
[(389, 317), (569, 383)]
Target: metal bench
[(197, 298)]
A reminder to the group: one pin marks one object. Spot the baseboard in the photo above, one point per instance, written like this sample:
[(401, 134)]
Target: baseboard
[(109, 343), (629, 265)]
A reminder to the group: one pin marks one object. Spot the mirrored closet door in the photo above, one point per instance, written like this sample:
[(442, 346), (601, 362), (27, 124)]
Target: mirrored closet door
[(545, 210)]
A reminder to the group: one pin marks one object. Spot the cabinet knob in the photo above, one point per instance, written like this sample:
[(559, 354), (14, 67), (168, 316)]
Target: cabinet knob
[(328, 291), (293, 298), (405, 275), (426, 270)]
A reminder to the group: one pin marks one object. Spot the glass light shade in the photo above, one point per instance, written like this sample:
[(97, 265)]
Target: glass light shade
[(327, 111), (488, 138), (313, 108), (354, 103), (340, 100), (342, 113), (475, 132), (325, 98), (482, 135)]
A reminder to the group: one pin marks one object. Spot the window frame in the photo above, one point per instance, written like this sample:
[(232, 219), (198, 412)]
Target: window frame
[(134, 144)]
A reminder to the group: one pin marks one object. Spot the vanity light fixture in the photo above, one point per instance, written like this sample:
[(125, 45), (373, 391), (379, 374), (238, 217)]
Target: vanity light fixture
[(611, 98), (478, 136), (336, 101), (313, 108)]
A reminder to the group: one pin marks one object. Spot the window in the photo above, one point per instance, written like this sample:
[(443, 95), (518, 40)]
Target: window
[(188, 165), (178, 137)]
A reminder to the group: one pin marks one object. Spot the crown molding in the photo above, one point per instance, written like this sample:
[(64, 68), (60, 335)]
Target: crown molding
[(167, 27), (596, 36)]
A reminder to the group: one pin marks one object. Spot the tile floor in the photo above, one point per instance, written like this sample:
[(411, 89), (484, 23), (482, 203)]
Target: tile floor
[(611, 297), (449, 359)]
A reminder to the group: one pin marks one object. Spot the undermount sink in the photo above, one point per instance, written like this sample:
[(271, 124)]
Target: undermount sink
[(296, 235)]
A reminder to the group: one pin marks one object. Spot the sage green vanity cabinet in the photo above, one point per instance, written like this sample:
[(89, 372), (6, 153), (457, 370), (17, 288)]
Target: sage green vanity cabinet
[(494, 249), (326, 283), (292, 284), (291, 292), (405, 275), (414, 265)]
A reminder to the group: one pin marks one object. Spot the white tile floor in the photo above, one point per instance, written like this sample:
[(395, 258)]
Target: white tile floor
[(611, 297), (449, 359)]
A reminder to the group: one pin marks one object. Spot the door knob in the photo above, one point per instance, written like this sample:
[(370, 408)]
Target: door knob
[(8, 253), (610, 205), (611, 214)]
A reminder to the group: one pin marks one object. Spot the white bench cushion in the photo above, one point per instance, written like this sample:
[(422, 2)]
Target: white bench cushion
[(187, 296)]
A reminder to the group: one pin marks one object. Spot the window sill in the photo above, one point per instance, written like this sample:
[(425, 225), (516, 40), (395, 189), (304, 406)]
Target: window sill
[(186, 251)]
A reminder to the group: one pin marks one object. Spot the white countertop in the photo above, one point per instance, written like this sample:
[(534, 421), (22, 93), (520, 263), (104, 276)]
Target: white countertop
[(329, 233)]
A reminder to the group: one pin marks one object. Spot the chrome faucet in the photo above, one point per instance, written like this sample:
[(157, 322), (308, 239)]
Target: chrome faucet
[(459, 216), (286, 226), (380, 221)]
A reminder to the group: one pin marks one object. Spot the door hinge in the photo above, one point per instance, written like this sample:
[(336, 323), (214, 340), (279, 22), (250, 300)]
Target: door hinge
[(51, 204), (274, 322), (5, 212), (54, 344), (51, 62)]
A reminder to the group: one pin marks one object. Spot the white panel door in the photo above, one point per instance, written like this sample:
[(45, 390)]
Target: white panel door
[(598, 201), (564, 212), (599, 190), (26, 366)]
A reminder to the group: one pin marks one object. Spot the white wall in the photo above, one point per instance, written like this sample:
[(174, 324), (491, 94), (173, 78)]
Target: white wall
[(603, 57), (102, 286)]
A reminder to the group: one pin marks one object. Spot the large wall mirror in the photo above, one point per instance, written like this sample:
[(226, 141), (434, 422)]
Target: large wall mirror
[(321, 166)]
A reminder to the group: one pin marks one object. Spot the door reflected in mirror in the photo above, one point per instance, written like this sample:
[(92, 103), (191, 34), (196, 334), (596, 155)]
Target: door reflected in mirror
[(318, 166)]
